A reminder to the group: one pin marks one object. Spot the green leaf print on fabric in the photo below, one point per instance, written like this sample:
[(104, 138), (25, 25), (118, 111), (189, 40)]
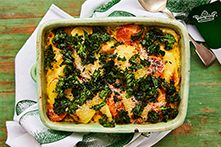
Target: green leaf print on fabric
[(49, 136), (107, 6), (184, 5), (105, 139), (31, 121), (23, 105), (121, 13)]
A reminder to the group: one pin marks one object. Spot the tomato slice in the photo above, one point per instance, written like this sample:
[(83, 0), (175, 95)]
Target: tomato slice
[(125, 32), (114, 107)]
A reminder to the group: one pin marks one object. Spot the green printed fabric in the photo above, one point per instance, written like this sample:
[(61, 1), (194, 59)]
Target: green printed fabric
[(120, 14), (31, 122), (23, 105), (107, 6), (105, 139)]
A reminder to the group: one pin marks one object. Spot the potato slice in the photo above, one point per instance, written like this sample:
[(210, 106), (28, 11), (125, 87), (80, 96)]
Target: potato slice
[(79, 30)]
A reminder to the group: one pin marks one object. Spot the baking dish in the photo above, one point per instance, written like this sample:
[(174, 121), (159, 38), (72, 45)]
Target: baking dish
[(39, 75)]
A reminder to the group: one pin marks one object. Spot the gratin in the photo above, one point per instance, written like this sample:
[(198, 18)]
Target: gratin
[(112, 75)]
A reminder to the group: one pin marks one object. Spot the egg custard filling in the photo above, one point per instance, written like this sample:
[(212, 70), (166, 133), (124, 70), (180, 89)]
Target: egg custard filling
[(112, 75)]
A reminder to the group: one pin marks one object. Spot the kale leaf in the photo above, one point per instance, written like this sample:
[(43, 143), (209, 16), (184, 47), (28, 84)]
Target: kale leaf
[(103, 121), (122, 117), (99, 106), (148, 42), (151, 36), (61, 104), (137, 36), (171, 91), (153, 116), (154, 49), (62, 39), (105, 92), (49, 57), (168, 40), (168, 113), (67, 57), (137, 111)]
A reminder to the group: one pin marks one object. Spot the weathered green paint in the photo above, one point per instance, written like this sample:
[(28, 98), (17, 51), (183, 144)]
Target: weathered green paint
[(18, 20)]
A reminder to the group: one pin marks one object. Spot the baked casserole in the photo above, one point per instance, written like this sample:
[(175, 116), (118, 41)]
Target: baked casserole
[(128, 74)]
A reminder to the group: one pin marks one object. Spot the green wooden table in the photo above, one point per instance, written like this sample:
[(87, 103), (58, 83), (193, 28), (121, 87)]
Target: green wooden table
[(19, 18)]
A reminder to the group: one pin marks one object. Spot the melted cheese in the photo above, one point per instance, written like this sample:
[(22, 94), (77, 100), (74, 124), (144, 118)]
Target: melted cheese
[(124, 51)]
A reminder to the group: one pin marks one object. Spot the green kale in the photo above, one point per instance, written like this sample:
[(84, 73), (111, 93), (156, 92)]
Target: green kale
[(147, 89), (169, 86), (61, 104), (148, 42), (173, 98), (145, 62), (81, 50), (136, 65), (104, 57), (153, 116), (122, 117), (103, 121), (99, 106), (168, 40), (90, 59), (66, 82), (171, 92), (151, 36), (69, 68), (96, 76), (168, 113), (62, 39), (134, 62), (130, 83), (72, 108), (84, 95), (137, 36), (90, 46), (67, 57), (49, 57), (105, 92), (154, 49), (108, 66), (137, 111), (93, 41)]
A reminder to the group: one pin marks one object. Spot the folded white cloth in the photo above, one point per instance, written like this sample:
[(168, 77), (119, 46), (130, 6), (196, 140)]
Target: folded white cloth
[(27, 130)]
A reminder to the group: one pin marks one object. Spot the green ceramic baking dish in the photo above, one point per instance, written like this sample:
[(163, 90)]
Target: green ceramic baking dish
[(39, 74)]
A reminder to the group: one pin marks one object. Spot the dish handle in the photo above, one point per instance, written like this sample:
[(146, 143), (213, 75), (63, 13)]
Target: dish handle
[(33, 73)]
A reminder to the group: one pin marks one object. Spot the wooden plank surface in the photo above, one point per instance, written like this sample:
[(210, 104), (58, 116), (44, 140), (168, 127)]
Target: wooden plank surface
[(19, 18)]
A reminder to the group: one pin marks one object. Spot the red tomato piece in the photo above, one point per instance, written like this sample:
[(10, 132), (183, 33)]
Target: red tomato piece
[(125, 32), (114, 107)]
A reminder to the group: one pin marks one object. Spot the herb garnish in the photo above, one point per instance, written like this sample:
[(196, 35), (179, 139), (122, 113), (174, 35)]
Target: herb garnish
[(49, 56)]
